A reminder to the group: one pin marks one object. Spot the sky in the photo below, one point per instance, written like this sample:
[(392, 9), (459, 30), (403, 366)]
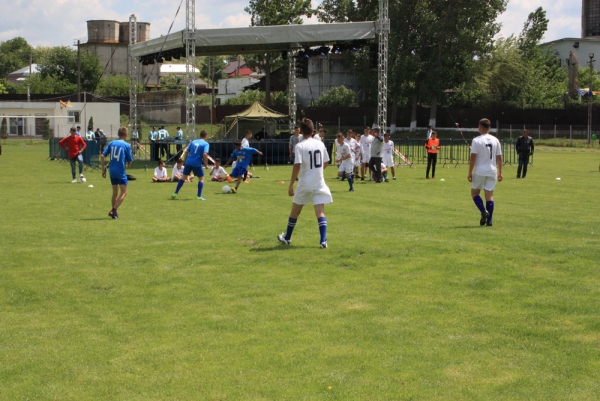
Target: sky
[(62, 22)]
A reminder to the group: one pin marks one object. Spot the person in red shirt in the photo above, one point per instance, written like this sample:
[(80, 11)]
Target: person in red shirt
[(432, 145), (74, 145)]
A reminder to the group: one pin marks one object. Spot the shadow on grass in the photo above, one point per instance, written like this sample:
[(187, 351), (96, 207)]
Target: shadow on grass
[(278, 247), (467, 227)]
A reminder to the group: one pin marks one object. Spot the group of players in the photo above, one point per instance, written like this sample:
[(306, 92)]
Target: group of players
[(310, 160)]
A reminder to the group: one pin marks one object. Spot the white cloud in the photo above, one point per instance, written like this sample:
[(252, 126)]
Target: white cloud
[(564, 17)]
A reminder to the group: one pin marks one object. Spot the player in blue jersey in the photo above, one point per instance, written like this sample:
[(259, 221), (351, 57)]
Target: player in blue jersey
[(196, 157), (120, 159), (244, 158)]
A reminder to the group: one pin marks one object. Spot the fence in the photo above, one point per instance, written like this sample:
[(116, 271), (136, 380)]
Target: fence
[(556, 133)]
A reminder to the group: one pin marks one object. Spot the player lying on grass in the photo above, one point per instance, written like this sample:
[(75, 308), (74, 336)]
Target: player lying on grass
[(244, 158)]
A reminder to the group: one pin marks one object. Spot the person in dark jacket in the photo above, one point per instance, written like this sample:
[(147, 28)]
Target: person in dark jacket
[(524, 147)]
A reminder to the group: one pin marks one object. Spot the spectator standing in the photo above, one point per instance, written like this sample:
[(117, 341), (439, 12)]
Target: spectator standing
[(433, 146), (179, 137), (524, 147), (388, 156), (485, 169), (74, 145), (294, 140), (376, 154), (163, 135), (246, 139)]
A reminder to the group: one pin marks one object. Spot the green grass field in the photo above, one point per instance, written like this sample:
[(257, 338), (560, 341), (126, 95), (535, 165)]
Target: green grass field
[(191, 300)]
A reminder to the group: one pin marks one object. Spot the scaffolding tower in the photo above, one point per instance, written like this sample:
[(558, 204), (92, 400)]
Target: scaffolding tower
[(133, 76), (383, 30), (190, 69)]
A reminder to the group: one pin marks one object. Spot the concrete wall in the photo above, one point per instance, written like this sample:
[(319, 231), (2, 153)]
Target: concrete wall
[(324, 73), (22, 117), (162, 106)]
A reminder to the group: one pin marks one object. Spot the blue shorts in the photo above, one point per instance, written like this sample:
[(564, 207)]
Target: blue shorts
[(198, 171), (239, 170), (119, 180)]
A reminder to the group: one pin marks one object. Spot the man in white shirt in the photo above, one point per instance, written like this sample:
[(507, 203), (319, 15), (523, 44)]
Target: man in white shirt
[(345, 160), (310, 161), (429, 131), (246, 139), (484, 166), (294, 140), (160, 173), (365, 150)]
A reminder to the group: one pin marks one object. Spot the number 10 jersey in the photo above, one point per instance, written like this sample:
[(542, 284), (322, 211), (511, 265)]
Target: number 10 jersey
[(312, 154)]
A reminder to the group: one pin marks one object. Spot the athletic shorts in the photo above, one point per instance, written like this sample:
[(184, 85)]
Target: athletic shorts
[(483, 182), (356, 160), (119, 180), (198, 171), (388, 160), (365, 158), (239, 170), (321, 196), (347, 167)]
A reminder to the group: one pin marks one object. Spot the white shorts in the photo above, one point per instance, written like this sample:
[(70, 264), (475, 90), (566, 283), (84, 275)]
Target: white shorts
[(365, 158), (483, 182), (356, 160), (388, 160), (321, 196), (346, 166)]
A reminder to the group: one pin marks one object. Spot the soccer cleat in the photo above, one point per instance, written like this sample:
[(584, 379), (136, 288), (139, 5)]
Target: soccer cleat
[(484, 217), (174, 195), (234, 190), (518, 176), (362, 178), (351, 190), (489, 223), (426, 178), (281, 238), (387, 180), (200, 198), (82, 178), (394, 178), (113, 214), (323, 245), (74, 181)]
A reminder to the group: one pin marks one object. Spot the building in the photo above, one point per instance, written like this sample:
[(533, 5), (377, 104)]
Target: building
[(590, 19), (32, 118), (232, 87), (581, 47), (109, 40), (179, 71), (21, 75)]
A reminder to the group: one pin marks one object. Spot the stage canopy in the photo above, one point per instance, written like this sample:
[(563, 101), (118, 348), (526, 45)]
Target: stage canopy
[(257, 118), (257, 39)]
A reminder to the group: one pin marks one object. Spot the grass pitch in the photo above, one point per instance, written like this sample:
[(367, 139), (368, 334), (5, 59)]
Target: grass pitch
[(187, 299)]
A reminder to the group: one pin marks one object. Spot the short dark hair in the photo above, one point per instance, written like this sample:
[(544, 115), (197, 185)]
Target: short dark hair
[(429, 126), (179, 160), (237, 142), (248, 131), (122, 132), (203, 134), (485, 123), (178, 127), (217, 160), (307, 127), (79, 126)]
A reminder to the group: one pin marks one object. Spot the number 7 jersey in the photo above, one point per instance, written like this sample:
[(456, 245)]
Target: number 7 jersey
[(487, 148), (312, 154)]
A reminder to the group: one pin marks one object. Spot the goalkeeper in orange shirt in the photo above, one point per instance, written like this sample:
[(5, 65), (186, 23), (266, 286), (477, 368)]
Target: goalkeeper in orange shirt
[(433, 146)]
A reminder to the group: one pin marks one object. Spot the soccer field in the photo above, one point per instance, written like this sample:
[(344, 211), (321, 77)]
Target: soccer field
[(413, 300)]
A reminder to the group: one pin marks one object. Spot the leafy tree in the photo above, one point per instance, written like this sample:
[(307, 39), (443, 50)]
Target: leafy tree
[(279, 98), (46, 131), (115, 85), (218, 64), (91, 123), (14, 54), (4, 129), (246, 98), (339, 96), (60, 63), (274, 12), (584, 81), (3, 89), (533, 31), (47, 85)]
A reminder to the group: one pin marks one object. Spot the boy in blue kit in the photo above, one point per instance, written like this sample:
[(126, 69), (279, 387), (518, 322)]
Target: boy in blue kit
[(244, 158), (120, 159), (195, 157)]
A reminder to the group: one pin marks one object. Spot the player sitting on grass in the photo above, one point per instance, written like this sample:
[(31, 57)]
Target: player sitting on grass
[(196, 157), (244, 157), (218, 173), (160, 173)]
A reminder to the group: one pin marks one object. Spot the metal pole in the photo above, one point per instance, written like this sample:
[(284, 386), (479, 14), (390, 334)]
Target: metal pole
[(571, 135), (78, 72), (190, 67), (383, 29)]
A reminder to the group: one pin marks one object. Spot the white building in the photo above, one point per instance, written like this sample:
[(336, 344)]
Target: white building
[(581, 47), (29, 118), (232, 87)]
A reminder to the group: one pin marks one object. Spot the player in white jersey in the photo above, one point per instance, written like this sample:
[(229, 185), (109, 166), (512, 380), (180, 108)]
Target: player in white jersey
[(310, 160), (246, 139), (484, 166), (345, 160), (388, 154), (365, 150)]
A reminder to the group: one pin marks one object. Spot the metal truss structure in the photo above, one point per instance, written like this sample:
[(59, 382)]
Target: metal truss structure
[(190, 69), (292, 91), (133, 75), (383, 30)]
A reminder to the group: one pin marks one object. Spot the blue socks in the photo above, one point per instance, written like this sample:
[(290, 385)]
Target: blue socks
[(323, 228), (290, 228), (489, 205), (479, 203), (179, 185), (200, 187), (351, 180)]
